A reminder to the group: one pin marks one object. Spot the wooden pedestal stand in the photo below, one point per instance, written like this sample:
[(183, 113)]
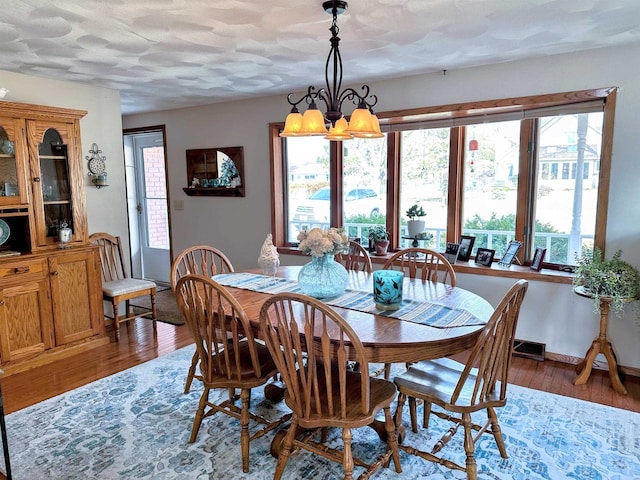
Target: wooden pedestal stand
[(600, 345)]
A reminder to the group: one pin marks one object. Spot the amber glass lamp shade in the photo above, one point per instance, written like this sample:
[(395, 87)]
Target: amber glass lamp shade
[(313, 122), (361, 124), (292, 125), (376, 127), (337, 132)]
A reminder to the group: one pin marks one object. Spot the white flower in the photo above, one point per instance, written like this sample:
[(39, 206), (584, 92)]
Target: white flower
[(317, 242)]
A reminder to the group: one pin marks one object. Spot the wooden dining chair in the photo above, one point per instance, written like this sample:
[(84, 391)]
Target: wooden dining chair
[(311, 345), (204, 260), (118, 285), (462, 389), (230, 357), (356, 258), (424, 264)]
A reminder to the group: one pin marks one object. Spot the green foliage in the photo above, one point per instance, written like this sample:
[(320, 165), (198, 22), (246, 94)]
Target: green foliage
[(507, 223), (415, 211), (613, 278), (378, 232), (364, 220)]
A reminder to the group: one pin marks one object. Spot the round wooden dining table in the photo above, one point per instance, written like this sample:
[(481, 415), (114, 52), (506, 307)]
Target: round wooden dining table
[(385, 339), (391, 340)]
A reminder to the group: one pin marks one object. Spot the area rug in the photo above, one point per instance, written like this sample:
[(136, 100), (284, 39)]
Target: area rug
[(166, 307), (136, 425)]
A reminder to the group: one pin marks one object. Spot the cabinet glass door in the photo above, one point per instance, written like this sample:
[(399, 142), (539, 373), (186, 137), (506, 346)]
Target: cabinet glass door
[(54, 180), (52, 174), (12, 186)]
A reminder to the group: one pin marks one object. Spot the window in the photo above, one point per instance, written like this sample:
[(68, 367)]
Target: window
[(424, 170), (529, 169)]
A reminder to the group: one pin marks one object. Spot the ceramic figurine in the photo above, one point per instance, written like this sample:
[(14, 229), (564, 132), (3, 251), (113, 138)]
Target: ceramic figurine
[(269, 260)]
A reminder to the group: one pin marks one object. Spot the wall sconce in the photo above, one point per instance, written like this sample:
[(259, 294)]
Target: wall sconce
[(97, 167)]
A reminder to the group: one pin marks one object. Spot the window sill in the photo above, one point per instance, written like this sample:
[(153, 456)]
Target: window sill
[(495, 270)]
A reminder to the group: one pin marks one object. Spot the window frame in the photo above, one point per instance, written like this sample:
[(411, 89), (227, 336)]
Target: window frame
[(456, 117)]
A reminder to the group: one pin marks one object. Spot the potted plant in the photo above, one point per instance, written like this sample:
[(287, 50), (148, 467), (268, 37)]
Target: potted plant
[(380, 237), (415, 226), (615, 279)]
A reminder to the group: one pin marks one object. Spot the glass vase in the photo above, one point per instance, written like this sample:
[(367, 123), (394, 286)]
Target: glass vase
[(323, 277)]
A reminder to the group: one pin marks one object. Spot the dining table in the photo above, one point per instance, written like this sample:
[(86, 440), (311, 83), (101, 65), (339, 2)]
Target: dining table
[(386, 339), (437, 320)]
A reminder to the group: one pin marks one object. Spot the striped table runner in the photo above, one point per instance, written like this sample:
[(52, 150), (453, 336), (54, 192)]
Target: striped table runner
[(416, 311)]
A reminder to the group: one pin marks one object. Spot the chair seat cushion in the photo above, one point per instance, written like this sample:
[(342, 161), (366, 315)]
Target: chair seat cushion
[(126, 285), (436, 380)]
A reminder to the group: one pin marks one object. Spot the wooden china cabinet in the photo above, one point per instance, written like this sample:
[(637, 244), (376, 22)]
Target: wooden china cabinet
[(50, 293)]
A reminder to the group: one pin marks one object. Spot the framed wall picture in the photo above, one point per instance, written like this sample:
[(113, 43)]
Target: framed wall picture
[(538, 257), (451, 252), (510, 255), (484, 256), (466, 245)]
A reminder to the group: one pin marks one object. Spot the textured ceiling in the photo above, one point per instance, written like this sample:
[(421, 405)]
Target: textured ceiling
[(165, 54)]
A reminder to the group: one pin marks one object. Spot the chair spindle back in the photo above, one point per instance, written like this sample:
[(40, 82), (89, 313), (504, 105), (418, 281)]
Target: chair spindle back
[(311, 344)]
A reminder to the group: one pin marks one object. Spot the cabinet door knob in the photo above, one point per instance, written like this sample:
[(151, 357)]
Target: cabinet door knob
[(1, 303), (36, 179), (54, 273)]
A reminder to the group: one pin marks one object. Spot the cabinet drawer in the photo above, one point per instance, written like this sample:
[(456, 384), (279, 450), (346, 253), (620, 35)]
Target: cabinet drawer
[(24, 269)]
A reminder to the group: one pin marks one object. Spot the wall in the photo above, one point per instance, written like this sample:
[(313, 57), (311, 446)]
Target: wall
[(106, 207), (552, 313)]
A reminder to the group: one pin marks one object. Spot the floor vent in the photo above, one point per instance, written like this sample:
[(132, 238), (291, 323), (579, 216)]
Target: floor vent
[(533, 350)]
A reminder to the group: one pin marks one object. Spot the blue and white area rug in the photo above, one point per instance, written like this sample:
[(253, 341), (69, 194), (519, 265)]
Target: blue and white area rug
[(136, 425)]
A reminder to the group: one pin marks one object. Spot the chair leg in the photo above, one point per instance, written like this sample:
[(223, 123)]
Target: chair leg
[(244, 428), (413, 414), (199, 415), (116, 321), (398, 414), (392, 439), (285, 449), (154, 313), (497, 432), (347, 459), (192, 372), (469, 448), (426, 414)]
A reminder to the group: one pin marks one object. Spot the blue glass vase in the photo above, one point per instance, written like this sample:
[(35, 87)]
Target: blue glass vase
[(323, 277)]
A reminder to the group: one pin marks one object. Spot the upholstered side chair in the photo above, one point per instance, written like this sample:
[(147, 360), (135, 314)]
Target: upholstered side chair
[(118, 285)]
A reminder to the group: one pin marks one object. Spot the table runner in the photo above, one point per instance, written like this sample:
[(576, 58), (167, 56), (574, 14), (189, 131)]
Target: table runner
[(416, 311)]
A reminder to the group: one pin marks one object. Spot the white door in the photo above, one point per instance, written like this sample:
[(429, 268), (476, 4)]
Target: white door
[(148, 208)]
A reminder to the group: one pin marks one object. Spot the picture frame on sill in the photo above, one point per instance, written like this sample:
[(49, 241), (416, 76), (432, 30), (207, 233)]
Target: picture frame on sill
[(466, 246), (510, 254), (451, 252), (484, 256), (538, 258)]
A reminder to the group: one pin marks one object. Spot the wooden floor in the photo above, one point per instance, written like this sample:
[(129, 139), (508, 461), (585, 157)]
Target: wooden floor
[(137, 345)]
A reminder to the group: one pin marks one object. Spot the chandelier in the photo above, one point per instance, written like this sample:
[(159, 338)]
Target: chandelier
[(362, 123)]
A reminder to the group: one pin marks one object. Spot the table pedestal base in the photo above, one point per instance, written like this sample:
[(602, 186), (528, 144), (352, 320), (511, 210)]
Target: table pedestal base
[(601, 345), (584, 367)]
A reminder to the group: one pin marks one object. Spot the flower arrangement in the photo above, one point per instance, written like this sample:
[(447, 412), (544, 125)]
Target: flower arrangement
[(613, 278), (317, 241)]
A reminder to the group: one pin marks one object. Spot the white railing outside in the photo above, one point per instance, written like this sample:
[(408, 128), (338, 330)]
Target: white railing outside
[(502, 237)]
